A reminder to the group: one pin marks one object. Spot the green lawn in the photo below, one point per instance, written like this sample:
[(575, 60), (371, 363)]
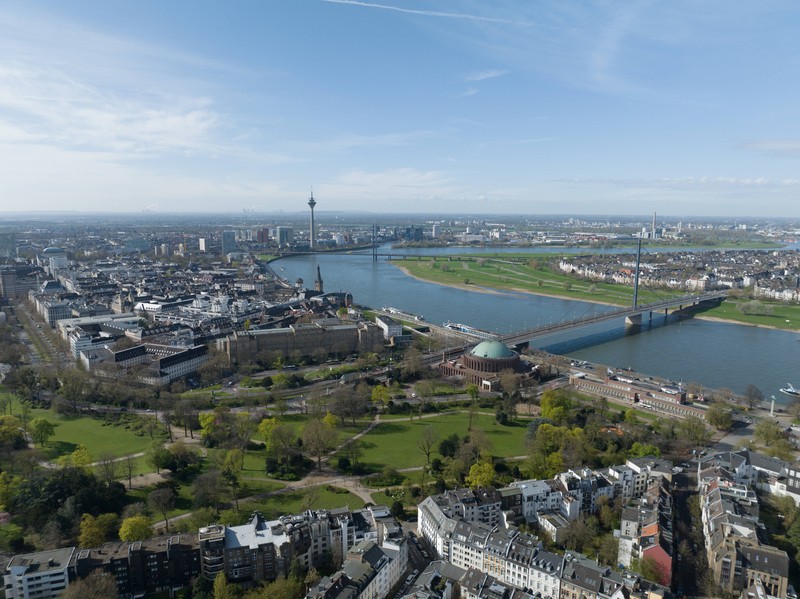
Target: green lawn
[(292, 502), (515, 274), (98, 436), (395, 443), (781, 313), (534, 276)]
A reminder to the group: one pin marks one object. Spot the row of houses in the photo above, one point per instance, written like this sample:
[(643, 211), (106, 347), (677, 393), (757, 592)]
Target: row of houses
[(739, 555), (259, 550), (772, 274), (578, 490), (458, 525)]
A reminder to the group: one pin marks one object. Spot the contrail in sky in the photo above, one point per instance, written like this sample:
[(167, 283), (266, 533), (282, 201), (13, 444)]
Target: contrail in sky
[(428, 13)]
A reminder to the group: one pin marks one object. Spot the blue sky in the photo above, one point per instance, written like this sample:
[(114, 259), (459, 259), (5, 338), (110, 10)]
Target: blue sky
[(440, 106)]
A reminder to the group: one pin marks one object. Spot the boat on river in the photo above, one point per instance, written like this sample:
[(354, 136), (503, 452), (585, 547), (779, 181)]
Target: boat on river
[(790, 391)]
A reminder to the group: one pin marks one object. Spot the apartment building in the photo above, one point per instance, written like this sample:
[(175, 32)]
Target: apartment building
[(738, 555), (264, 550), (646, 530), (370, 571), (41, 575)]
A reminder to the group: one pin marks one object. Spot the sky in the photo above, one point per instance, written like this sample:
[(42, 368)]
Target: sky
[(402, 106)]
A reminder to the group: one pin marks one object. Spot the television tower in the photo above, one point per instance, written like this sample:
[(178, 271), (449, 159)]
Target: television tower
[(311, 203)]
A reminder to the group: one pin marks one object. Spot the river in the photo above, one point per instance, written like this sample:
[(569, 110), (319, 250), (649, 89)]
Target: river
[(714, 354)]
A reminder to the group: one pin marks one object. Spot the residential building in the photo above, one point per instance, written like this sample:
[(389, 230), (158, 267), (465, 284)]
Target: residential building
[(738, 556), (264, 550), (157, 565), (646, 530), (41, 575)]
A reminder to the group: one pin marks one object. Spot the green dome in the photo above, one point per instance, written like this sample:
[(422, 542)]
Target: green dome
[(492, 349)]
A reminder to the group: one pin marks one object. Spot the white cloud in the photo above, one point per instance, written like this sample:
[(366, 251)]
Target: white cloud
[(777, 147), (483, 75)]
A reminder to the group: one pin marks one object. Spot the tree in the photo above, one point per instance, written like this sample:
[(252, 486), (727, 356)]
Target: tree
[(767, 432), (221, 590), (11, 435), (96, 531), (580, 533), (449, 446), (694, 429), (752, 396), (412, 362), (427, 442), (720, 416), (107, 467), (98, 585), (162, 500), (481, 474), (231, 474), (76, 387), (380, 394), (509, 381), (127, 468), (208, 489), (135, 528), (41, 430), (397, 509), (311, 495), (556, 405), (640, 450), (318, 440)]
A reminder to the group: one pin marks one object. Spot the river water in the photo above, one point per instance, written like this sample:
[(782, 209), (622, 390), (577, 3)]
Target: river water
[(714, 354)]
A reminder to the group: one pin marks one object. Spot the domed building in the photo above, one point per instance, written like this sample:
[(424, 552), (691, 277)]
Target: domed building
[(483, 364)]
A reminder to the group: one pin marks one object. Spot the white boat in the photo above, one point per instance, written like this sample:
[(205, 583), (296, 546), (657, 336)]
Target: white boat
[(791, 391)]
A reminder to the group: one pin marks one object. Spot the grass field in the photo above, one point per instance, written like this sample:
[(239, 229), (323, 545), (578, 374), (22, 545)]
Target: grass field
[(510, 273), (98, 436), (514, 274), (254, 459), (784, 316), (395, 443), (292, 502)]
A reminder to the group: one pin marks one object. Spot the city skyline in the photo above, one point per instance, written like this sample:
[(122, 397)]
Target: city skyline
[(507, 108)]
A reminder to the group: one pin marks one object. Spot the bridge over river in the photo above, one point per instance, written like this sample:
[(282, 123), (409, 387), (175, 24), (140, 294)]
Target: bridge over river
[(631, 314)]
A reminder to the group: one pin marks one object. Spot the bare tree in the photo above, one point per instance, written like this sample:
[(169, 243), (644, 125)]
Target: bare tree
[(752, 396), (318, 440), (127, 466), (107, 467), (428, 441), (509, 381), (162, 500), (311, 495)]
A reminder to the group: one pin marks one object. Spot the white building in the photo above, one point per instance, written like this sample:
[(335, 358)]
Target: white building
[(39, 575)]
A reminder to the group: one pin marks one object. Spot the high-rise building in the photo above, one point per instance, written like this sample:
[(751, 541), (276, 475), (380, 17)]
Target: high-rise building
[(285, 235), (228, 242), (203, 244)]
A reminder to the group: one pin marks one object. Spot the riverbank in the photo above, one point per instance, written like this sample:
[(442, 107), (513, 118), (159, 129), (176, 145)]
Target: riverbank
[(789, 315), (489, 290)]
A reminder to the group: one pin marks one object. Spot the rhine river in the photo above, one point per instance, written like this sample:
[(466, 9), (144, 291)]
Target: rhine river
[(714, 354)]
